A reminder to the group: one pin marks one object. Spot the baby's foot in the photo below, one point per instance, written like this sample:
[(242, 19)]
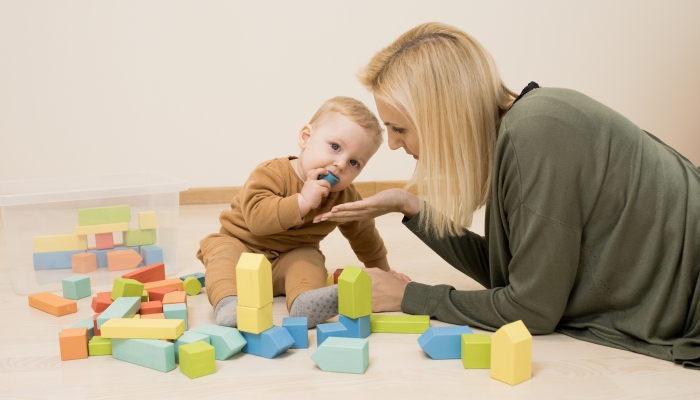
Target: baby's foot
[(226, 311), (317, 305)]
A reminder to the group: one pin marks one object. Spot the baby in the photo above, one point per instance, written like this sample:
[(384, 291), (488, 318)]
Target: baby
[(274, 212)]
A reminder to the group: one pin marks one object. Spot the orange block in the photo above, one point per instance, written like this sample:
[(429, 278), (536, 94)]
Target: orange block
[(73, 343), (83, 262), (52, 304), (175, 297), (153, 316), (157, 294), (151, 273), (175, 283), (101, 301), (123, 259), (152, 307)]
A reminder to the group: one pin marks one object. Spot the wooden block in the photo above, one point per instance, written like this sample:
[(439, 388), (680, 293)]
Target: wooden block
[(150, 353), (192, 286), (129, 328), (101, 301), (298, 328), (357, 327), (99, 346), (73, 343), (153, 316), (476, 351), (354, 292), (151, 273), (333, 329), (54, 260), (174, 283), (197, 359), (254, 280), (76, 287), (54, 243), (151, 307), (268, 344), (329, 280), (104, 241), (511, 353), (443, 342), (254, 320), (123, 307), (123, 287), (399, 323), (340, 354), (139, 237), (158, 294), (198, 275), (118, 238), (103, 215), (226, 341), (174, 297), (147, 220), (82, 263), (187, 338), (176, 312), (152, 254), (123, 259), (52, 304), (105, 229)]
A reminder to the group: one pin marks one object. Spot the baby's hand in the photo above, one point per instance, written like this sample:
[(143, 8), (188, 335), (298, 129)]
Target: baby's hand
[(314, 191)]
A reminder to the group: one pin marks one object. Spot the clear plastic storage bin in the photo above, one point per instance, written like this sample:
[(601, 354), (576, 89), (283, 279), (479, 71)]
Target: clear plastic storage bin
[(42, 207)]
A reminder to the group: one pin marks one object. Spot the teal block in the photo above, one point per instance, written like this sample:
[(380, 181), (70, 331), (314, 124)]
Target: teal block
[(54, 260), (151, 254), (269, 343), (341, 354), (443, 342), (88, 323), (187, 338), (176, 311), (101, 257), (123, 307), (226, 341), (335, 329), (198, 275), (103, 215), (76, 287), (298, 328), (151, 353), (357, 327)]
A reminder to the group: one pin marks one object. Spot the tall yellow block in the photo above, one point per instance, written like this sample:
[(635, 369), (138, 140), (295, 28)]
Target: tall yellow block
[(254, 320), (511, 353), (253, 281), (50, 243)]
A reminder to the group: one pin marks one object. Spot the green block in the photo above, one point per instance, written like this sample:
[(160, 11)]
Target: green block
[(399, 323), (150, 353), (476, 351), (192, 286), (103, 215), (354, 292), (124, 287), (76, 287), (341, 354), (99, 346), (197, 359), (139, 237), (144, 296), (176, 311)]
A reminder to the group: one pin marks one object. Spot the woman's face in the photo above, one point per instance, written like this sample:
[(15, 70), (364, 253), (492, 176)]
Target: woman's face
[(400, 132)]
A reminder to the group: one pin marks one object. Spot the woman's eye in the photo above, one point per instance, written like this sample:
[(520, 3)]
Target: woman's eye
[(397, 130), (335, 146), (354, 163)]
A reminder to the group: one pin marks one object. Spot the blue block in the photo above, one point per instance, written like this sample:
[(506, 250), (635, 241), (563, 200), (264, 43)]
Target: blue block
[(54, 260), (76, 287), (123, 307), (151, 353), (88, 323), (151, 254), (269, 343), (198, 275), (443, 342), (335, 329), (101, 257), (357, 327), (176, 311), (187, 338), (298, 328), (226, 341)]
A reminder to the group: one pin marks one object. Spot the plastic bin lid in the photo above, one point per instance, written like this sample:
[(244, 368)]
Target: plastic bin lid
[(36, 191)]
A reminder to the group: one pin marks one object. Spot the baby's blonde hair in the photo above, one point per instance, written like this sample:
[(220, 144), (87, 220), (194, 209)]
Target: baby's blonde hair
[(354, 110), (448, 87)]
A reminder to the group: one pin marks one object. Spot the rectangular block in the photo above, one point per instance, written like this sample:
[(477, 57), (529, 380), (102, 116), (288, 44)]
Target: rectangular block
[(151, 307), (153, 316), (175, 297), (52, 304), (82, 263), (102, 229), (123, 307), (197, 359), (226, 341), (476, 351), (174, 283), (399, 323), (124, 287), (73, 343), (176, 312), (76, 287), (101, 301), (298, 328), (54, 260), (139, 237), (187, 338), (118, 238), (152, 254), (147, 220), (53, 243), (104, 215), (129, 328), (254, 320), (254, 280), (101, 257), (357, 327), (333, 329), (99, 346), (123, 259), (104, 241), (158, 294), (86, 323), (150, 353), (151, 273)]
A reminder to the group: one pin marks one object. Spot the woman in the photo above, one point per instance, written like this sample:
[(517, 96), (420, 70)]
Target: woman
[(592, 224)]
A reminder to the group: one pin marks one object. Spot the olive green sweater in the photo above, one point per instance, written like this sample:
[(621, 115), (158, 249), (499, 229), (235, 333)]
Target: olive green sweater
[(592, 230)]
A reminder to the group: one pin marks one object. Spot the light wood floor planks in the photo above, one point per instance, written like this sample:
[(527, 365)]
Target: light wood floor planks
[(563, 368)]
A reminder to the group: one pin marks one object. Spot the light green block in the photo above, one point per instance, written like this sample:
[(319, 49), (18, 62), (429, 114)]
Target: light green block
[(226, 341), (340, 354), (124, 287), (139, 237), (99, 346), (192, 286), (197, 359), (151, 353), (399, 323), (103, 215), (476, 351), (176, 311), (187, 338), (76, 287), (354, 292), (144, 296)]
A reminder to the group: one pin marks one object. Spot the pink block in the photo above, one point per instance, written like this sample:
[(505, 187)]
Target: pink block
[(104, 241)]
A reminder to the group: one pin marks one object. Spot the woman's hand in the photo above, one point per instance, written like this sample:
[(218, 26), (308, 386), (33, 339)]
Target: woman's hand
[(384, 202), (387, 290)]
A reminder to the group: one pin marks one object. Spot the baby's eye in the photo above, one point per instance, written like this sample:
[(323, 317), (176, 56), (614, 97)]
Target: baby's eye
[(335, 146), (397, 130), (354, 163)]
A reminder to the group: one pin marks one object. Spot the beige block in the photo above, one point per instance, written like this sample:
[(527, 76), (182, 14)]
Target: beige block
[(49, 243), (105, 228)]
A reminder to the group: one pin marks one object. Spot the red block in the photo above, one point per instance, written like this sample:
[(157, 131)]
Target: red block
[(104, 241), (336, 274), (151, 307), (151, 273), (157, 294), (101, 301), (94, 321)]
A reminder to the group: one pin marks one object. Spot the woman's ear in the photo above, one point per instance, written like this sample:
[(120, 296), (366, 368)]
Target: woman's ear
[(304, 135)]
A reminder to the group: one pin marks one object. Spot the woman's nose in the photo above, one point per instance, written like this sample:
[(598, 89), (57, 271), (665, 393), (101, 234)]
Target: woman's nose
[(394, 142)]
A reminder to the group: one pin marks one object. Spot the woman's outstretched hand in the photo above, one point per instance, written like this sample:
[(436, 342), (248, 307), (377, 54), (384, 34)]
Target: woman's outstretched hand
[(384, 202), (387, 289)]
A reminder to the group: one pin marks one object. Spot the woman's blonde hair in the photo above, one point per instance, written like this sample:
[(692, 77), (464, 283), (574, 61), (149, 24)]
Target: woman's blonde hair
[(448, 87), (355, 110)]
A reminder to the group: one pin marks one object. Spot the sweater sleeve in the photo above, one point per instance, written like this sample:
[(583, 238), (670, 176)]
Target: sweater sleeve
[(366, 243)]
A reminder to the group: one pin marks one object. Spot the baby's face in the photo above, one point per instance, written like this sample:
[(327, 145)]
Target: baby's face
[(337, 144)]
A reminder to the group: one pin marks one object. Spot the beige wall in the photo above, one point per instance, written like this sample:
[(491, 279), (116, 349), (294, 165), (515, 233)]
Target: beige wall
[(205, 90)]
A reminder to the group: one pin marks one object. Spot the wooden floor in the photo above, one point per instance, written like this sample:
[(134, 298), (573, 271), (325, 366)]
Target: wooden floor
[(563, 368)]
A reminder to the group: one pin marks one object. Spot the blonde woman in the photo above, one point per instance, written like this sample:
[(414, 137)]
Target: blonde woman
[(592, 224)]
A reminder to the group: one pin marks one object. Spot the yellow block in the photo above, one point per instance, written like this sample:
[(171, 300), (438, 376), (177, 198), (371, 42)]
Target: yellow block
[(136, 316), (254, 320), (47, 244), (104, 228), (129, 328), (511, 353), (254, 280), (329, 280), (147, 220)]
